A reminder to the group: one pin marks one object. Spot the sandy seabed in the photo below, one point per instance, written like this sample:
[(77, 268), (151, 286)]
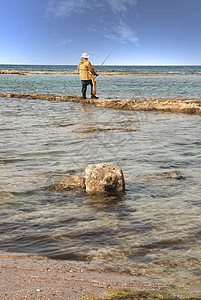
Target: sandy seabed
[(23, 276)]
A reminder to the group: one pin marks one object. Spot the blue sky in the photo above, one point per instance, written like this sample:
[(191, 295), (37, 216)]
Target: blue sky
[(143, 32)]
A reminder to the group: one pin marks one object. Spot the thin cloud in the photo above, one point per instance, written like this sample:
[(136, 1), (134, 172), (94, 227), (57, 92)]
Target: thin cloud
[(64, 42), (119, 32), (125, 33), (64, 8), (121, 6), (122, 33), (91, 28)]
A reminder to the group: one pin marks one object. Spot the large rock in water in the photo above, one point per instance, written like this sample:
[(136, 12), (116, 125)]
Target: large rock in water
[(104, 178)]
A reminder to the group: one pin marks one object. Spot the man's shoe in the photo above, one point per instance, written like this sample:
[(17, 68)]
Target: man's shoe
[(93, 96)]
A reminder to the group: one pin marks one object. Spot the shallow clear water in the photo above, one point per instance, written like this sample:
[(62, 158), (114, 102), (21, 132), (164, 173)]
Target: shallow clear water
[(118, 86), (154, 229)]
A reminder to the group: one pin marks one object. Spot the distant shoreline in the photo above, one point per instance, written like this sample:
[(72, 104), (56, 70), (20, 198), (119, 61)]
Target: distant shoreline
[(185, 106), (25, 72)]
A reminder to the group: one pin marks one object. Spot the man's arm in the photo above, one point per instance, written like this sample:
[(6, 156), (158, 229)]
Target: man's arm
[(91, 69)]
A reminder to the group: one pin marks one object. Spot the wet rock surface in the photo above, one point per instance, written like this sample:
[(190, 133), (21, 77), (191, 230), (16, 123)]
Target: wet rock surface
[(23, 72), (186, 106), (101, 178), (70, 183), (174, 175), (104, 178)]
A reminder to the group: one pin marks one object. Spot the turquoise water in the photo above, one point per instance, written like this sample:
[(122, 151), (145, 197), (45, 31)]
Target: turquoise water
[(154, 229), (118, 86)]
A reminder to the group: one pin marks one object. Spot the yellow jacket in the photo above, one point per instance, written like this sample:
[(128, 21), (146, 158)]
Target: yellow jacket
[(85, 70)]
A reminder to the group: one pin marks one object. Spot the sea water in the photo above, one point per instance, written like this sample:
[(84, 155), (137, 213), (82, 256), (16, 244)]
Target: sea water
[(174, 82), (154, 228)]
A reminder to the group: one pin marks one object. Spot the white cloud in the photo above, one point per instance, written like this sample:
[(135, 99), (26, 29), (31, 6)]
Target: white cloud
[(64, 8), (119, 32), (125, 33), (121, 6)]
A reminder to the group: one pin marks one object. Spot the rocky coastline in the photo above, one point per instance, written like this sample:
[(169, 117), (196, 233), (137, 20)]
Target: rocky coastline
[(184, 106), (25, 72)]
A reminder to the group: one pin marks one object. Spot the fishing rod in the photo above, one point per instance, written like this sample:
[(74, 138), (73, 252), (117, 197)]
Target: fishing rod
[(105, 59)]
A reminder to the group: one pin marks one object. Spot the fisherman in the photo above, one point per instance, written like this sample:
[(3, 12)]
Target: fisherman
[(87, 76)]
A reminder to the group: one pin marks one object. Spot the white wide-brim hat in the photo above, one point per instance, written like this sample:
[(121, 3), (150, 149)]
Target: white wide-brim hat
[(85, 55)]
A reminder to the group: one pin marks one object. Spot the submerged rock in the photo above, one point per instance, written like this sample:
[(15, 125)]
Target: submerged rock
[(70, 183), (6, 195), (104, 178), (174, 175)]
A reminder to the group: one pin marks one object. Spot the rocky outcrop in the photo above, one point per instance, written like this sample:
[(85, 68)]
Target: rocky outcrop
[(100, 179), (186, 106), (24, 72), (70, 183), (104, 178), (42, 97)]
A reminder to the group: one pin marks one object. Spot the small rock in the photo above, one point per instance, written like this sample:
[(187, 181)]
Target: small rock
[(174, 175), (104, 178), (73, 182)]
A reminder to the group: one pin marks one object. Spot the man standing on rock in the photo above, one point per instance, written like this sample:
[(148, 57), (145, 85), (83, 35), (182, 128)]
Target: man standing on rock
[(87, 76)]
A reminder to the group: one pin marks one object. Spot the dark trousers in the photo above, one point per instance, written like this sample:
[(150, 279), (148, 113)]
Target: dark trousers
[(85, 83)]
